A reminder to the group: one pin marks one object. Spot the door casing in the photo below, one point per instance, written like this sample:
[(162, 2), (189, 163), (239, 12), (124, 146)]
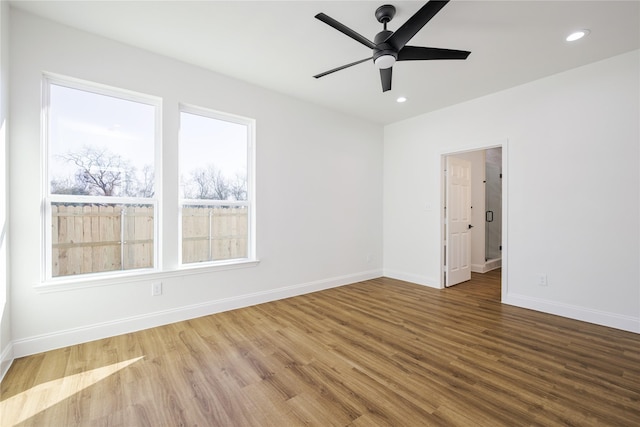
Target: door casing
[(504, 144)]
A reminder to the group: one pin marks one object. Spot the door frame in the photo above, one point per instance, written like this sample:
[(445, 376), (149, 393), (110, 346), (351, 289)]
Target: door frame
[(504, 144)]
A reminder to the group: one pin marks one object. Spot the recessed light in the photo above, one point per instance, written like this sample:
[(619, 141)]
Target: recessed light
[(401, 99), (577, 35)]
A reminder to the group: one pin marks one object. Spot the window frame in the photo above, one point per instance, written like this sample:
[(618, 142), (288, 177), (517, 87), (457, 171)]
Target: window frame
[(249, 203), (48, 199)]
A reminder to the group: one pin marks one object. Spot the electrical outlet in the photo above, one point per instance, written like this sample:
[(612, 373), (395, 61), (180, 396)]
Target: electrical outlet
[(156, 289), (542, 280)]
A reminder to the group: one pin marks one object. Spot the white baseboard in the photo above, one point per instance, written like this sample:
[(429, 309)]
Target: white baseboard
[(6, 359), (477, 268), (487, 266), (603, 318), (46, 342), (413, 278)]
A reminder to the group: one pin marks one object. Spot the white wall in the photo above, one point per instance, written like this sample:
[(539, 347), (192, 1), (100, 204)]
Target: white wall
[(319, 197), (6, 347), (572, 186)]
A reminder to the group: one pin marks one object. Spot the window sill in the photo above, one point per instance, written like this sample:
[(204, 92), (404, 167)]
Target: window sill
[(79, 282)]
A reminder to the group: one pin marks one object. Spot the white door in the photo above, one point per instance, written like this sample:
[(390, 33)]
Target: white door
[(458, 221)]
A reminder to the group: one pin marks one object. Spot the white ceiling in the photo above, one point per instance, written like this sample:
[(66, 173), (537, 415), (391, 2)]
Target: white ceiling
[(280, 45)]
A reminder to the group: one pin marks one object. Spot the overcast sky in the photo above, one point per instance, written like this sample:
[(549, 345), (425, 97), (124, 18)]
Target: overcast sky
[(78, 118)]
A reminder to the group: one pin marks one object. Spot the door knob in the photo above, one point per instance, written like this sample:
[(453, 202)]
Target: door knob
[(470, 226)]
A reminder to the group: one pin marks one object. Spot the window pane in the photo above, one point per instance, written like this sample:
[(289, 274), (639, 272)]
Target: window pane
[(93, 238), (214, 233), (213, 158), (100, 145)]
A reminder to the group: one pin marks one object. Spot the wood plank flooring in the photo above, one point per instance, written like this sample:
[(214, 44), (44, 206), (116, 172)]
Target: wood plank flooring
[(376, 353)]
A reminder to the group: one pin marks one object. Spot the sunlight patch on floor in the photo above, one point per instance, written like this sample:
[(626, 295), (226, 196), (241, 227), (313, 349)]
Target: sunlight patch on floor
[(23, 406)]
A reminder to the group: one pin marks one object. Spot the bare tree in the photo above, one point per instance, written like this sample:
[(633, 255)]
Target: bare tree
[(238, 188), (202, 184), (102, 173), (67, 186), (207, 184), (219, 184), (146, 187)]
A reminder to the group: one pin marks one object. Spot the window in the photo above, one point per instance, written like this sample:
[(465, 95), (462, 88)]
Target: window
[(102, 200), (102, 197), (215, 187)]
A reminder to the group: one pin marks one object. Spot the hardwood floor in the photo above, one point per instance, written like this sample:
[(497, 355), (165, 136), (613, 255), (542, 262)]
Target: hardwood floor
[(380, 352)]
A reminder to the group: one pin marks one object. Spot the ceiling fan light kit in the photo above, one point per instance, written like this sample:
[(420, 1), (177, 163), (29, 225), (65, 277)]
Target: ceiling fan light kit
[(383, 62), (389, 46)]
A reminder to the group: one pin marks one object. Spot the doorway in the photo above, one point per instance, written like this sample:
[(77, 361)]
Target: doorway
[(493, 210), (486, 237)]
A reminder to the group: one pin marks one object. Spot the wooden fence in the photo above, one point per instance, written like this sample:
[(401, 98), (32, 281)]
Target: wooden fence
[(97, 238), (210, 233)]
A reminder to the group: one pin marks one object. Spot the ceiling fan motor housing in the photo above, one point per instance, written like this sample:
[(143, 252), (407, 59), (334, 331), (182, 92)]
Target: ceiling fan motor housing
[(382, 48)]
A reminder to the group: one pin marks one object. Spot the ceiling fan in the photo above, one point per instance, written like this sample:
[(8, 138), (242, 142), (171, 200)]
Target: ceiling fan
[(389, 46)]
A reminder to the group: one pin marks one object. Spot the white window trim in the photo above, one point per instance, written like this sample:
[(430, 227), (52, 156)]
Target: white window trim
[(250, 203), (46, 261), (48, 284), (77, 282)]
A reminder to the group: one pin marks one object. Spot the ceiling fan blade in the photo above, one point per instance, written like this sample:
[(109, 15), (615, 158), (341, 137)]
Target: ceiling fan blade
[(385, 78), (415, 23), (345, 30), (317, 76), (415, 53)]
